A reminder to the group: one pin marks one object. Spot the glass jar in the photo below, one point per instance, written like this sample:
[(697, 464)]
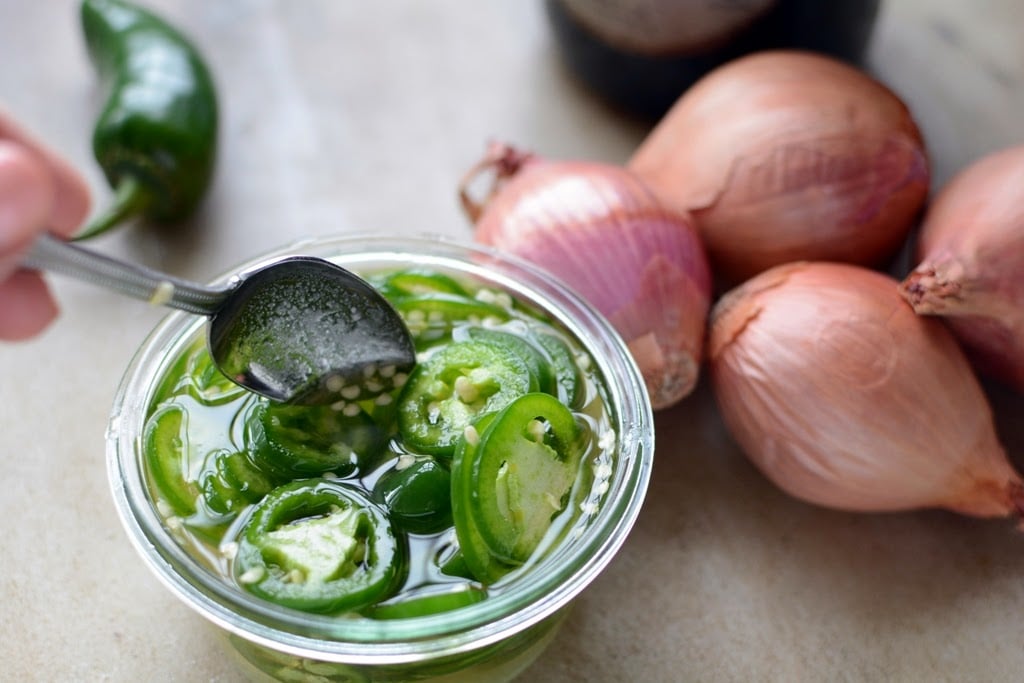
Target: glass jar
[(641, 55), (492, 640)]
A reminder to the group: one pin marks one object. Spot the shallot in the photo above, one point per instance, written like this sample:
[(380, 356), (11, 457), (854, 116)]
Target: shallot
[(783, 156), (599, 229), (971, 255), (845, 398)]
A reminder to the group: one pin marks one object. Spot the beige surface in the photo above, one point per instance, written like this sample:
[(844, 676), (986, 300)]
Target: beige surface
[(338, 117)]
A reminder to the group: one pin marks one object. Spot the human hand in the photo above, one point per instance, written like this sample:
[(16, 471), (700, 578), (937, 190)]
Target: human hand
[(39, 192)]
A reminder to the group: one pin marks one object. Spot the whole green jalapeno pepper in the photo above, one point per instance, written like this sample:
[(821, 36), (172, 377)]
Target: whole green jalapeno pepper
[(156, 137)]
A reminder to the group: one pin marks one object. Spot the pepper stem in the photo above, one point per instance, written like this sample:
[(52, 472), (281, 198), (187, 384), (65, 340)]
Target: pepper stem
[(130, 199)]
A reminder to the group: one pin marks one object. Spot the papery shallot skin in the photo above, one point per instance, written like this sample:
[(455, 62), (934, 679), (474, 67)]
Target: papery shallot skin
[(970, 252), (844, 397), (600, 230), (783, 156)]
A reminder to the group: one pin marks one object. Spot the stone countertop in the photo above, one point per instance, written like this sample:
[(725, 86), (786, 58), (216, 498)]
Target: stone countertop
[(338, 118)]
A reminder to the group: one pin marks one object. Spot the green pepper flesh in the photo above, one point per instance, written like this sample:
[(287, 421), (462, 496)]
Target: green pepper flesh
[(319, 546)]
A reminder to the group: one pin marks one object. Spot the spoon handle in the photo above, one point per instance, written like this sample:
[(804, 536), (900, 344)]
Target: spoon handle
[(52, 254)]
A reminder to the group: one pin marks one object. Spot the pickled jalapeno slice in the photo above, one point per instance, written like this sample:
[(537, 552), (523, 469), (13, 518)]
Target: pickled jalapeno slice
[(538, 365), (417, 496), (230, 481), (509, 487), (473, 551), (166, 449), (431, 317), (432, 601), (446, 392), (319, 546), (295, 441), (418, 281), (567, 373)]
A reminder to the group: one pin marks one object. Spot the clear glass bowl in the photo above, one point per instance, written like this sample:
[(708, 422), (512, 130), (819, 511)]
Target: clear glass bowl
[(492, 640)]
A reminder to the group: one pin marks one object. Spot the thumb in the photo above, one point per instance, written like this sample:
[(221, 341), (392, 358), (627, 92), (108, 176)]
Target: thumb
[(26, 202)]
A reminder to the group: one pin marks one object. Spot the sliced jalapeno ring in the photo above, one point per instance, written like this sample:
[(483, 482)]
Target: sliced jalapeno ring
[(451, 561), (522, 474), (431, 317), (230, 481), (418, 281), (418, 497), (446, 392), (319, 546), (568, 376), (483, 564), (294, 441), (516, 344), (167, 451), (437, 599)]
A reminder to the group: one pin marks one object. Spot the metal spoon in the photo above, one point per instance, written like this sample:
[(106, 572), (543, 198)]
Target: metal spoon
[(301, 329)]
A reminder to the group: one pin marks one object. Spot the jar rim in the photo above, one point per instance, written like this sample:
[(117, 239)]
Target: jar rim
[(554, 582)]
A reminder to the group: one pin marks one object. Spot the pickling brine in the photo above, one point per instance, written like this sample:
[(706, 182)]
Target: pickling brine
[(423, 499)]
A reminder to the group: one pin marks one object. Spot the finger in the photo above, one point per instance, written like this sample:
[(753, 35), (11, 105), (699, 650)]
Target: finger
[(71, 200), (26, 306), (71, 192), (26, 202)]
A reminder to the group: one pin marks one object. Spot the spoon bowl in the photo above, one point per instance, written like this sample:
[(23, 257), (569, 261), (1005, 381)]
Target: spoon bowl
[(306, 330), (300, 329)]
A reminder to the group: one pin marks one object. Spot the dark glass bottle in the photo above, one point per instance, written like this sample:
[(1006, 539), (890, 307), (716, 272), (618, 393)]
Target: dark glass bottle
[(642, 54)]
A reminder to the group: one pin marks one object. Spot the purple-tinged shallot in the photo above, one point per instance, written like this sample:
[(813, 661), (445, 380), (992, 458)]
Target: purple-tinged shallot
[(844, 397), (971, 263), (600, 230)]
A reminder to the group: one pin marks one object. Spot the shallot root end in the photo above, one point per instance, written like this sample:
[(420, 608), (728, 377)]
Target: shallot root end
[(670, 376), (992, 498), (928, 292)]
